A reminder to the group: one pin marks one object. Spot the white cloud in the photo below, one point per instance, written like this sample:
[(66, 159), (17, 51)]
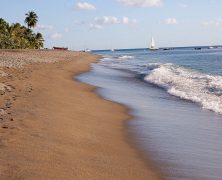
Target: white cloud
[(106, 20), (125, 20), (215, 22), (141, 3), (218, 22), (170, 21), (44, 27), (206, 23), (95, 26), (99, 22), (56, 35), (183, 5), (85, 6)]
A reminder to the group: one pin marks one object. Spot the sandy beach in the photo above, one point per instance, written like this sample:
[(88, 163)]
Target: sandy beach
[(54, 127)]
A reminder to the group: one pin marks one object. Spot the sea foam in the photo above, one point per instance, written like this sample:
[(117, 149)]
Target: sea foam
[(188, 84), (126, 57)]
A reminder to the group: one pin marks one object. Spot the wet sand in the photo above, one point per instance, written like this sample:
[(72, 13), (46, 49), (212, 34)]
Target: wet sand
[(182, 139), (53, 127)]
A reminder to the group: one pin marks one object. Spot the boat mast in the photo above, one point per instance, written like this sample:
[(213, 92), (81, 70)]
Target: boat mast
[(152, 44)]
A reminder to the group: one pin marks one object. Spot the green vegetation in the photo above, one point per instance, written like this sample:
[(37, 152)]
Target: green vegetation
[(31, 19), (17, 36)]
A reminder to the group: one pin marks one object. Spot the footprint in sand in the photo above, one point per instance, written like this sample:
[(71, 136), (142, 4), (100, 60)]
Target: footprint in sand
[(14, 97), (2, 92)]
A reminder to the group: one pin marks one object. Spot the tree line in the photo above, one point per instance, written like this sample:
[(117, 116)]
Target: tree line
[(17, 36)]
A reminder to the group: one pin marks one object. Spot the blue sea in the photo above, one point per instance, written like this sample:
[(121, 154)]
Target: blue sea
[(175, 99)]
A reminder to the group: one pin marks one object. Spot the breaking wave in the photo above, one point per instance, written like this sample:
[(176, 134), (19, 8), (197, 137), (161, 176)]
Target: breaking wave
[(188, 84), (126, 57)]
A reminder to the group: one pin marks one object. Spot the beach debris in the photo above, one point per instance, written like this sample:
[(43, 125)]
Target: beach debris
[(2, 112), (4, 87), (3, 74), (20, 58), (10, 87), (8, 104)]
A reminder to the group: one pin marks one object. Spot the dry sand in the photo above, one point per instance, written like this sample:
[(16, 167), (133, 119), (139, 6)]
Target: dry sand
[(52, 127)]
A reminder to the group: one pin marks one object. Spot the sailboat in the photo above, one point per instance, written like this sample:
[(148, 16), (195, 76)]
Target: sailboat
[(152, 45), (87, 50)]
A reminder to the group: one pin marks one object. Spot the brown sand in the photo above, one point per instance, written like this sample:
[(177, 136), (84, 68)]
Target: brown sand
[(52, 127)]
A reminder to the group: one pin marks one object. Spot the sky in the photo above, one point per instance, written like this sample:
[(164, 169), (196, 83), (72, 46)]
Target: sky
[(117, 24)]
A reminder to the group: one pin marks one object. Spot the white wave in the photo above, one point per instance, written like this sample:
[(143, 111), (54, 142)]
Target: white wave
[(152, 66), (189, 84), (105, 57), (126, 57)]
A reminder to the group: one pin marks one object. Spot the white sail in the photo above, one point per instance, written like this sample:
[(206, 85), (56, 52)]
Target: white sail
[(152, 44)]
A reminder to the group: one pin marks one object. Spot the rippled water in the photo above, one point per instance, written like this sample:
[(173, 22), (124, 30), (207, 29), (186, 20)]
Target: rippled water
[(183, 138), (186, 73)]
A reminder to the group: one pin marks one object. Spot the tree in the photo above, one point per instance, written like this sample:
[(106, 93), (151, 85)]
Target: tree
[(17, 36), (39, 41), (4, 33), (31, 19), (3, 26)]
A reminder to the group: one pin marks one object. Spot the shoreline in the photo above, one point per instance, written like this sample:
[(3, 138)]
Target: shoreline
[(56, 132), (129, 135)]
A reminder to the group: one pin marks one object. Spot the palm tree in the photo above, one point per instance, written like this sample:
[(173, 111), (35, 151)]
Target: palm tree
[(16, 36), (4, 26), (39, 41), (4, 33), (31, 19)]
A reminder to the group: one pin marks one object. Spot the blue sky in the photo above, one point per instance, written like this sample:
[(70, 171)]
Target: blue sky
[(105, 24)]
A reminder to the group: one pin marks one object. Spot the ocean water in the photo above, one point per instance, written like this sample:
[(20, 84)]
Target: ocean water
[(175, 98)]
